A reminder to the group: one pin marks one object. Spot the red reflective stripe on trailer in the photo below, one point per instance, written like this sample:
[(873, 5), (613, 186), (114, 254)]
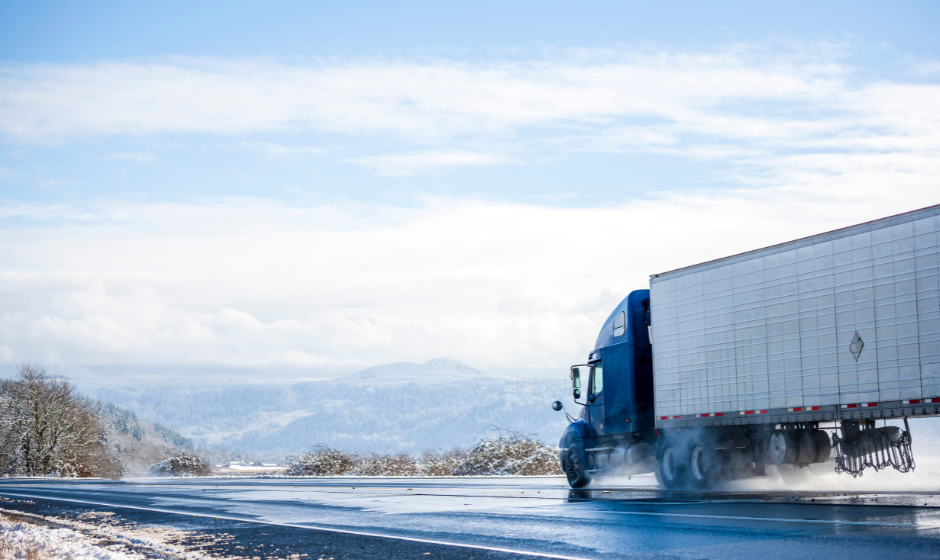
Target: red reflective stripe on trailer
[(850, 406), (719, 414), (748, 412), (869, 405), (812, 408), (796, 409), (912, 401), (662, 417)]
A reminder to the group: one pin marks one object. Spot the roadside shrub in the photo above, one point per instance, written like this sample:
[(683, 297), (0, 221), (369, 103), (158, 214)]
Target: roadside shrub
[(510, 453), (442, 463), (181, 465), (387, 465), (322, 461)]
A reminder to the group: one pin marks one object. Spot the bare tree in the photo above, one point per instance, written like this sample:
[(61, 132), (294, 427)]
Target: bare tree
[(48, 429), (11, 460)]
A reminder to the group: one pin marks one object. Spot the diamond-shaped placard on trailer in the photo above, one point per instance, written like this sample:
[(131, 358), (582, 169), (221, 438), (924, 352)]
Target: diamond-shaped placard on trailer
[(856, 347)]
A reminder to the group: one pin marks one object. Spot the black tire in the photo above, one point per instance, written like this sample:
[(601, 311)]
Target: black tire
[(670, 468), (703, 468), (575, 468)]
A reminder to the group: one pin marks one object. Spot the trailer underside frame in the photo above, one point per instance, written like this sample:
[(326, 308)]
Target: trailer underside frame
[(835, 413)]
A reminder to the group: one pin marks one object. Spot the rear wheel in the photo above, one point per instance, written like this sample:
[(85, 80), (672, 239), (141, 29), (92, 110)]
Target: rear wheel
[(670, 471), (575, 469), (703, 464)]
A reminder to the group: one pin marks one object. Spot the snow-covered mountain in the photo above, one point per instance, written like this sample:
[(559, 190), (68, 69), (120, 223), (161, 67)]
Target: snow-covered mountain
[(435, 371), (395, 407)]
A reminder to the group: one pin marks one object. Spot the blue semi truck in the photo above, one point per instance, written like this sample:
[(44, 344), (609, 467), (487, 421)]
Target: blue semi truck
[(809, 356)]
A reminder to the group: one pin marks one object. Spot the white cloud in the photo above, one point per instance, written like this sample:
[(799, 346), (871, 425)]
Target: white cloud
[(258, 283), (406, 164), (276, 150), (499, 285), (629, 99)]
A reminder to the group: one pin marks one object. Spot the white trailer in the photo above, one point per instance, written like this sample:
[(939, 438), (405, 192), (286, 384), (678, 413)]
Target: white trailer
[(842, 325)]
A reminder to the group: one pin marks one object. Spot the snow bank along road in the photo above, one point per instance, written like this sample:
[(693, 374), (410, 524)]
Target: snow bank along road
[(502, 517)]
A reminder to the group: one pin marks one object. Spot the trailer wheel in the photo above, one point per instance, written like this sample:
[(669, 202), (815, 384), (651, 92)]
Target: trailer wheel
[(703, 464), (670, 470), (575, 469)]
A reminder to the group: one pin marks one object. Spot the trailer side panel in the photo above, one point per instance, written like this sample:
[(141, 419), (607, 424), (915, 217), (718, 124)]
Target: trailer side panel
[(838, 321)]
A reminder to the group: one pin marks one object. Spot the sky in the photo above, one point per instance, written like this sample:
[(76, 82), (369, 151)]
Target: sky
[(324, 187)]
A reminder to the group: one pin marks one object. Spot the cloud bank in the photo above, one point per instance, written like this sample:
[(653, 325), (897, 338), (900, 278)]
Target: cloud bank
[(248, 282), (747, 104), (505, 285)]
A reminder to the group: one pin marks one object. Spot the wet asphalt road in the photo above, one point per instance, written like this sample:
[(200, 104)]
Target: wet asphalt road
[(503, 517)]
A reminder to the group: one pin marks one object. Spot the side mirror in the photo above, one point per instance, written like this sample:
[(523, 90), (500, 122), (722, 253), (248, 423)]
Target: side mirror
[(556, 406), (577, 393)]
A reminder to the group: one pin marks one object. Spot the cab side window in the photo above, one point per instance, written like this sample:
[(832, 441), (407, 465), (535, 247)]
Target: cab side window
[(620, 323), (597, 380)]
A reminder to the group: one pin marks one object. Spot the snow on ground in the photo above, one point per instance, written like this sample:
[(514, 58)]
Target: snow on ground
[(19, 539), (95, 536)]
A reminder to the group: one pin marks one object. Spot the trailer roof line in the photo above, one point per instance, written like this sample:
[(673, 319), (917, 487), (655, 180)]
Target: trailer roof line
[(803, 241)]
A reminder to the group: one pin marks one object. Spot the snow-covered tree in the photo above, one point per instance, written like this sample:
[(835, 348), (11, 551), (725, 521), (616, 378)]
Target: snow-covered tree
[(11, 460), (46, 428)]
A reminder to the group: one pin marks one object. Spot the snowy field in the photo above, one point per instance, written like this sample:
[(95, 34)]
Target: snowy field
[(93, 536), (22, 539)]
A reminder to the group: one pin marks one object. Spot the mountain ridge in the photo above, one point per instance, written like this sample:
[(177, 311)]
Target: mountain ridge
[(399, 407)]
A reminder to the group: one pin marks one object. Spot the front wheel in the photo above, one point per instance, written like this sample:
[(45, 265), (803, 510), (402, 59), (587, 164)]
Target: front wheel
[(670, 471), (575, 469)]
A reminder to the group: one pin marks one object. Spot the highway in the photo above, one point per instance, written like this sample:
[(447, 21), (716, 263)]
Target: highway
[(503, 517)]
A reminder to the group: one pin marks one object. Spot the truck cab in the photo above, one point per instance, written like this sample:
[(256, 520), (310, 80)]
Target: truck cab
[(615, 392)]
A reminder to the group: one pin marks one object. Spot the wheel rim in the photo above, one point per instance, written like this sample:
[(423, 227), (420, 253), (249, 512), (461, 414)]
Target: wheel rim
[(669, 465), (698, 463), (574, 465)]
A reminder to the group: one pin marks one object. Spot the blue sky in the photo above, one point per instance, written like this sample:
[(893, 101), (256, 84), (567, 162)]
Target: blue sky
[(871, 40), (85, 31), (309, 185)]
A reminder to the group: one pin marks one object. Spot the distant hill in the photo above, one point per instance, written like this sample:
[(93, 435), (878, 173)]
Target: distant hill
[(137, 443), (395, 407), (439, 370)]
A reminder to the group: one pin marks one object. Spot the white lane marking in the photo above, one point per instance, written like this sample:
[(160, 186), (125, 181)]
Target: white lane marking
[(782, 519), (309, 527)]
